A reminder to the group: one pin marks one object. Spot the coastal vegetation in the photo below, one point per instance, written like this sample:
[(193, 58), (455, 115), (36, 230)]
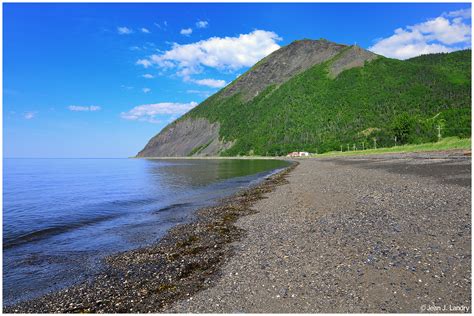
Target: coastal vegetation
[(449, 143)]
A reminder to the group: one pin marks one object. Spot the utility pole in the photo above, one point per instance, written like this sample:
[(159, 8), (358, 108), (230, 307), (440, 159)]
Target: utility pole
[(375, 143), (439, 133)]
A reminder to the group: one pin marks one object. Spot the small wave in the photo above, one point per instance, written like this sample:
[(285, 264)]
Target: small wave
[(125, 203), (172, 207), (53, 230)]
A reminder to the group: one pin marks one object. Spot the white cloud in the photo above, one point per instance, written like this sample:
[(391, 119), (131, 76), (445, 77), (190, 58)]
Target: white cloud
[(213, 83), (186, 32), (29, 115), (148, 76), (145, 30), (144, 62), (124, 30), (200, 93), (146, 90), (161, 27), (463, 13), (222, 53), (149, 112), (439, 35), (202, 24), (80, 108)]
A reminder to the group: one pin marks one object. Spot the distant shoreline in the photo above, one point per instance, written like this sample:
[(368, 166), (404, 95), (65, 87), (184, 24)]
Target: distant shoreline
[(447, 145), (215, 158)]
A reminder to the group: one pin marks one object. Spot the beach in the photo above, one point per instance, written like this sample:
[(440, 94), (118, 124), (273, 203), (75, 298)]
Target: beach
[(385, 233)]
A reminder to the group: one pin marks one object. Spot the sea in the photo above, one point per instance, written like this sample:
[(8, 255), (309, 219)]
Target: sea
[(61, 217)]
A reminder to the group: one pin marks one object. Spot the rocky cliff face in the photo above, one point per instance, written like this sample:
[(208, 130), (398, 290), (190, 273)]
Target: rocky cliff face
[(189, 137), (198, 137)]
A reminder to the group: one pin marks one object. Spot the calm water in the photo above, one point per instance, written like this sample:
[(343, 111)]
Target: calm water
[(61, 216)]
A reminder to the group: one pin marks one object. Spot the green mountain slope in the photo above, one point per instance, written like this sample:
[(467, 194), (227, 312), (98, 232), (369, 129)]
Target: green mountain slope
[(320, 110)]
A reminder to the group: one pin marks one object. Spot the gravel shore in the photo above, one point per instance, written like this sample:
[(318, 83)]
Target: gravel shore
[(388, 233)]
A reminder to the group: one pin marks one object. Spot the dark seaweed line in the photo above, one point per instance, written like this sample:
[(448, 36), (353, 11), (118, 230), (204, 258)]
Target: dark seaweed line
[(185, 261)]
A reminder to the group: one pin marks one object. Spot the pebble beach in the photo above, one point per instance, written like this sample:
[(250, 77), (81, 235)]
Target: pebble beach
[(387, 233)]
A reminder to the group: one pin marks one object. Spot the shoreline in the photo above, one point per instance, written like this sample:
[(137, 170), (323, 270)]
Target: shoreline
[(217, 158), (149, 279)]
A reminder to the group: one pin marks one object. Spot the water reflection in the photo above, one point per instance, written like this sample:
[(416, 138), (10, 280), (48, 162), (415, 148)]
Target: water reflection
[(195, 172)]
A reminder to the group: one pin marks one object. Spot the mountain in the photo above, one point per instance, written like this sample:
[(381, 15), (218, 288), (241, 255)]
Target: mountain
[(316, 96)]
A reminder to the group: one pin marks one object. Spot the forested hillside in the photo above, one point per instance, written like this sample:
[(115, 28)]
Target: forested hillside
[(391, 101)]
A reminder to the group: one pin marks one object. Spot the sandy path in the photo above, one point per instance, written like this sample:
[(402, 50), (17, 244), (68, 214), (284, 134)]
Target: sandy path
[(386, 233)]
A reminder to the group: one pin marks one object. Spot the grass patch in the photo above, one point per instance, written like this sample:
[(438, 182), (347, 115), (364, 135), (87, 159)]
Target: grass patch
[(198, 149), (445, 144)]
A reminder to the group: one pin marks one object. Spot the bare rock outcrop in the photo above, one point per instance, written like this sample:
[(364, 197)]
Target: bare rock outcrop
[(283, 64), (188, 137), (350, 58)]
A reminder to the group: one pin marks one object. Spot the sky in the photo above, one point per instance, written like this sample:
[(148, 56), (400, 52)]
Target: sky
[(85, 80)]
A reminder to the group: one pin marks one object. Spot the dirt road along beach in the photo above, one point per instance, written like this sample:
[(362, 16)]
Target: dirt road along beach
[(388, 233)]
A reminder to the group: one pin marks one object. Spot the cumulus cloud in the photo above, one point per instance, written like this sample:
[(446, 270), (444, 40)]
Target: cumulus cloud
[(213, 83), (202, 24), (80, 108), (145, 30), (146, 90), (186, 32), (149, 112), (222, 53), (122, 30), (148, 76), (443, 34), (29, 115)]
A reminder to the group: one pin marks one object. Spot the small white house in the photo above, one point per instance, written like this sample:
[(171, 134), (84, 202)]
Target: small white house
[(298, 154)]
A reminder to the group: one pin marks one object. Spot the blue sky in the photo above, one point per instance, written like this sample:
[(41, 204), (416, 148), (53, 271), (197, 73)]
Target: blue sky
[(98, 80)]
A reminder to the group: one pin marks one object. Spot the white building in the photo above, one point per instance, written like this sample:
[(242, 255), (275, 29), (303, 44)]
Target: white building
[(298, 154)]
